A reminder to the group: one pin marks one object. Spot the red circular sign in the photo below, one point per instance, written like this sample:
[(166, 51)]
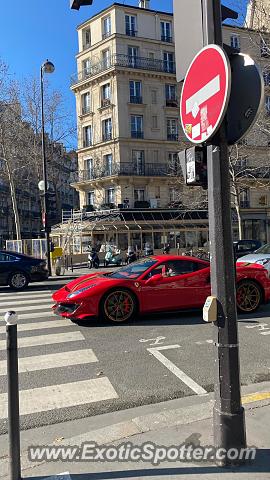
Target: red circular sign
[(205, 94)]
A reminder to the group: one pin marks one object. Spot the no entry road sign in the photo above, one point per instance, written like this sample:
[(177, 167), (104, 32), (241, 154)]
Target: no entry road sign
[(205, 94)]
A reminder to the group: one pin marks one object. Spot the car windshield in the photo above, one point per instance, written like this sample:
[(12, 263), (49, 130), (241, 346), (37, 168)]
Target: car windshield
[(264, 249), (134, 270)]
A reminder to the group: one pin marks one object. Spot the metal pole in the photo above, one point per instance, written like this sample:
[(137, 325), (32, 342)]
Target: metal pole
[(13, 397), (229, 417), (45, 203)]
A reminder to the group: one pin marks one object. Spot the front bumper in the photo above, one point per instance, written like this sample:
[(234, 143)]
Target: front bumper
[(73, 310)]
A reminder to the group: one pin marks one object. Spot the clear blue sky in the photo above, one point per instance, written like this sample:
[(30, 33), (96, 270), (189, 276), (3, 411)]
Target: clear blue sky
[(33, 30)]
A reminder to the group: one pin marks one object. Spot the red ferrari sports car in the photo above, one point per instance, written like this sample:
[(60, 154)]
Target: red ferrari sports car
[(155, 284)]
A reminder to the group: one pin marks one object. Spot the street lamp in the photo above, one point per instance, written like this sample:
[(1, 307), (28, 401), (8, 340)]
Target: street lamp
[(46, 67)]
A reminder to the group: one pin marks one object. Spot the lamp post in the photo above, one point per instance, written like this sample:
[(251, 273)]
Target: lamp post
[(46, 67)]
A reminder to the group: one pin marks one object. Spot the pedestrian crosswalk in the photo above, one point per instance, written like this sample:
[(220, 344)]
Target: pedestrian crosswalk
[(54, 356)]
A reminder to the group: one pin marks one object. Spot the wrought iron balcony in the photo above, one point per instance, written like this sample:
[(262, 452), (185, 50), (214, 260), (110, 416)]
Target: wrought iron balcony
[(166, 38), (107, 136), (106, 35), (170, 102), (135, 99), (105, 102), (136, 134), (173, 137), (124, 169), (125, 61), (131, 32)]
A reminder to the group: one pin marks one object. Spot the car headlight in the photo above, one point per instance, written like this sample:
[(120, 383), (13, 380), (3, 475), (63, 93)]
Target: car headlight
[(78, 292), (264, 261)]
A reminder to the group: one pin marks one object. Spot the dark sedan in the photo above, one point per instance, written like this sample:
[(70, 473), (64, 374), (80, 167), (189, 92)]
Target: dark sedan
[(17, 270)]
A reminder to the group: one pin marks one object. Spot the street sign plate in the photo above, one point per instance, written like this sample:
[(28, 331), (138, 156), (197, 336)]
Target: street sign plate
[(205, 94), (247, 97)]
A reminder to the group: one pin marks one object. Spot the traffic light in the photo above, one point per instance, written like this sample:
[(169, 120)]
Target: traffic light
[(193, 162), (76, 4)]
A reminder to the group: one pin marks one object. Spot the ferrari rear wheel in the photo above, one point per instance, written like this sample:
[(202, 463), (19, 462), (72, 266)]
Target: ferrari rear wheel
[(248, 296), (119, 306)]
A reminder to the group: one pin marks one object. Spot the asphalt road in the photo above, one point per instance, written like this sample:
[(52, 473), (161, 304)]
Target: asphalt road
[(152, 359)]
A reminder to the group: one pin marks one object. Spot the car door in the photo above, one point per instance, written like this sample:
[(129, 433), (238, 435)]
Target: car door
[(5, 268), (185, 284)]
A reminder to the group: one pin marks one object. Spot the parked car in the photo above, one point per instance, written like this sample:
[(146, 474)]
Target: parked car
[(17, 270), (244, 247), (155, 284), (260, 256)]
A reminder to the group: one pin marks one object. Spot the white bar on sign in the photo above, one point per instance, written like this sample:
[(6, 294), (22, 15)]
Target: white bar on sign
[(196, 130), (65, 395), (206, 92)]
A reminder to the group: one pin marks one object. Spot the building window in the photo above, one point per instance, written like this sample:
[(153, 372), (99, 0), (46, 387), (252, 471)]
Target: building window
[(166, 31), (155, 156), (106, 95), (108, 164), (107, 129), (86, 67), (265, 48), (170, 93), (85, 103), (172, 129), (244, 198), (110, 196), (106, 27), (135, 89), (173, 195), (106, 58), (266, 77), (89, 167), (154, 121), (139, 194), (138, 162), (154, 97), (235, 41), (267, 104), (133, 54), (131, 25), (87, 136), (173, 162), (137, 126), (91, 198), (86, 38), (168, 61)]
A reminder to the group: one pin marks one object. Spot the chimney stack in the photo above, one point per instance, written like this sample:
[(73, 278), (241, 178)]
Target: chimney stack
[(144, 4)]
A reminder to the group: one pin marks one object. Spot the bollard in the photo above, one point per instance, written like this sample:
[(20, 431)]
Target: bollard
[(13, 397)]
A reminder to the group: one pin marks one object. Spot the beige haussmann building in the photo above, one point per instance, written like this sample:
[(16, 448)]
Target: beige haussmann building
[(127, 102)]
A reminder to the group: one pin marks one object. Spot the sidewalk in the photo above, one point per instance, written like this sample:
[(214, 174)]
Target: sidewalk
[(183, 421)]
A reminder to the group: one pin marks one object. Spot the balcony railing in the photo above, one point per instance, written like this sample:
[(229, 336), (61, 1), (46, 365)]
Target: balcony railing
[(137, 134), (106, 35), (166, 38), (171, 102), (85, 110), (107, 136), (105, 102), (131, 32), (135, 99), (125, 61), (124, 169), (173, 137)]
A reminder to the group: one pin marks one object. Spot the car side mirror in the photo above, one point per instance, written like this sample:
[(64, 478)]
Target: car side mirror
[(154, 279)]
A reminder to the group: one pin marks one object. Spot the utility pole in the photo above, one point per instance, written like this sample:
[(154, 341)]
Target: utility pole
[(229, 417)]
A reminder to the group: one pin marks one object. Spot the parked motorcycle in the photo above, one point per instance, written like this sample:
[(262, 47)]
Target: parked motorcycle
[(93, 259), (131, 256), (113, 257)]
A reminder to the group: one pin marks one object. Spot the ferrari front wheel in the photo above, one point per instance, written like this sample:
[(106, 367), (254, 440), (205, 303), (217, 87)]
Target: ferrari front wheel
[(248, 296), (119, 306)]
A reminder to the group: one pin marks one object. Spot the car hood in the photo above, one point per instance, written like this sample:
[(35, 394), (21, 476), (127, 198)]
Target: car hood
[(79, 283), (254, 257)]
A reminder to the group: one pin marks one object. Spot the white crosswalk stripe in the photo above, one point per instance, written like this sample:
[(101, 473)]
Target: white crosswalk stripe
[(35, 306)]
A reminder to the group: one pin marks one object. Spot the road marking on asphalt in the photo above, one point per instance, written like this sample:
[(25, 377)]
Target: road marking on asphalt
[(25, 309), (29, 302), (156, 341), (27, 316), (33, 298), (11, 293), (66, 395), (205, 342), (25, 327), (174, 369), (255, 397), (54, 360), (46, 339)]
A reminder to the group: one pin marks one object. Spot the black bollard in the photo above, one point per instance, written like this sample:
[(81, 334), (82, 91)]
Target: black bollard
[(13, 397)]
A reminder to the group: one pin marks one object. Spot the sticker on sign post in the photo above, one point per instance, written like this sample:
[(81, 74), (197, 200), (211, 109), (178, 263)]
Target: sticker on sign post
[(205, 94)]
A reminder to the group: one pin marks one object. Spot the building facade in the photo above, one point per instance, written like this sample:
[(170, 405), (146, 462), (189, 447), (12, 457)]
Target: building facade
[(127, 101)]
